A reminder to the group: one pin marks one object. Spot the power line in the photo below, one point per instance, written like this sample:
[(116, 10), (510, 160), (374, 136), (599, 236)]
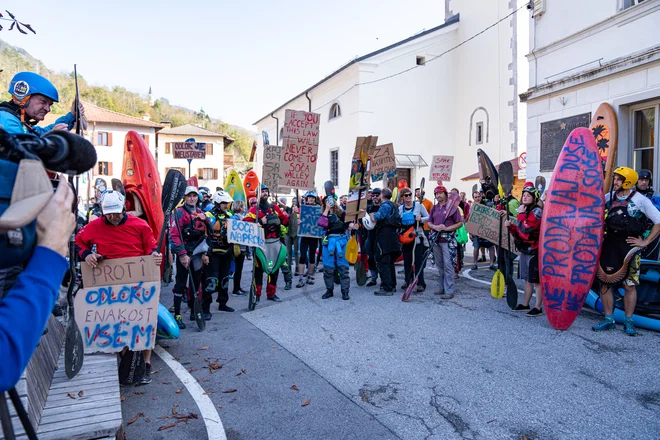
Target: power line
[(430, 60)]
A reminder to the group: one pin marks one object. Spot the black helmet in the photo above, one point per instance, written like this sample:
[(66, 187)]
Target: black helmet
[(645, 175)]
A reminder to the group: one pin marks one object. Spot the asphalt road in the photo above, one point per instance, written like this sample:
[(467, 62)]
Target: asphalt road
[(377, 368)]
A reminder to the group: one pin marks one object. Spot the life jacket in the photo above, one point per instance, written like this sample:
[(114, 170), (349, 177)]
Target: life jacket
[(619, 221), (218, 232), (408, 217), (16, 246), (14, 109)]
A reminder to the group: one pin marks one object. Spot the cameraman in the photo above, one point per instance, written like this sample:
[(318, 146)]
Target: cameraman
[(32, 97), (24, 311)]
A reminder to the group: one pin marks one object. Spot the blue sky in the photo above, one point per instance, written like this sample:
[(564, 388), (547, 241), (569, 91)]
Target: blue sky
[(237, 60)]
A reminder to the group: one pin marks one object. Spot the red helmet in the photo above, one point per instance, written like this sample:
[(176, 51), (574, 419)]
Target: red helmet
[(440, 188)]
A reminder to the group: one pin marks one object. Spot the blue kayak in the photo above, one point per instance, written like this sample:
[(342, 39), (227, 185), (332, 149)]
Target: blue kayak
[(167, 328), (648, 298)]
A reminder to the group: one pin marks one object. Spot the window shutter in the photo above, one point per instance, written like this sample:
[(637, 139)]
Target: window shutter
[(200, 173), (109, 139), (539, 8), (94, 135), (166, 170), (167, 148), (146, 138), (209, 149), (215, 174), (110, 169)]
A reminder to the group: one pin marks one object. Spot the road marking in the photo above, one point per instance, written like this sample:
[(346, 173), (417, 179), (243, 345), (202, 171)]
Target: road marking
[(214, 426), (466, 274)]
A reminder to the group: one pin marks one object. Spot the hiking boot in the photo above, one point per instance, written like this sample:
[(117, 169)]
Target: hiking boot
[(534, 312), (629, 327), (447, 296), (345, 296), (301, 283), (171, 309), (606, 324), (475, 267), (192, 316), (310, 279), (225, 308), (287, 286), (248, 257), (420, 289), (275, 298), (493, 267), (257, 299), (240, 292), (438, 292), (207, 316), (371, 283), (481, 260), (383, 292), (521, 308), (179, 322), (327, 294), (147, 375), (404, 287)]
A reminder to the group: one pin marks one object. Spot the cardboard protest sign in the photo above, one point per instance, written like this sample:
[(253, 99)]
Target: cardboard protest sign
[(441, 167), (308, 223), (352, 205), (383, 162), (245, 233), (119, 305), (270, 176), (484, 222), (364, 146), (300, 148)]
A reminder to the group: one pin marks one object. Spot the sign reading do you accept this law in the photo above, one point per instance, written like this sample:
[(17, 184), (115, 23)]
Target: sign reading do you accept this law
[(119, 305), (300, 149)]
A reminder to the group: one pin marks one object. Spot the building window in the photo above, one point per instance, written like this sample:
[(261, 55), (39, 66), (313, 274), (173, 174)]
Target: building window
[(480, 133), (103, 138), (208, 173), (334, 166), (335, 111), (168, 148), (104, 169), (645, 131), (421, 61), (630, 3), (209, 149)]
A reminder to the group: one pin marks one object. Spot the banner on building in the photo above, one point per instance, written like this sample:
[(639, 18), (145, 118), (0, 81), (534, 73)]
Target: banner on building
[(189, 150), (441, 168), (300, 148), (118, 308)]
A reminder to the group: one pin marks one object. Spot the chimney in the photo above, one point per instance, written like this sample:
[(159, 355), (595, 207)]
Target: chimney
[(146, 117), (166, 123)]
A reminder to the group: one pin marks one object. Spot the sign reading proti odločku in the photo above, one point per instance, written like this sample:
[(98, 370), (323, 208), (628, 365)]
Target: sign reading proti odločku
[(118, 308), (300, 149), (189, 150), (441, 167)]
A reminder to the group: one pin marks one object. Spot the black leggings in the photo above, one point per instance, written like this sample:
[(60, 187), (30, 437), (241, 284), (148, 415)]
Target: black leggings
[(308, 246)]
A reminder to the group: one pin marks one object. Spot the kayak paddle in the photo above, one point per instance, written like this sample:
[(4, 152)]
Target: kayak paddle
[(497, 285)]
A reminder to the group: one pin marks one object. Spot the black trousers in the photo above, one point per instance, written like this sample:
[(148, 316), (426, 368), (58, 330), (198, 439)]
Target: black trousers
[(182, 284), (420, 250), (217, 278), (385, 262), (238, 271)]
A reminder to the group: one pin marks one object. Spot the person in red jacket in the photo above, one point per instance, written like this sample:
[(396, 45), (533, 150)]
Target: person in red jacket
[(194, 227), (526, 233), (118, 235), (271, 217)]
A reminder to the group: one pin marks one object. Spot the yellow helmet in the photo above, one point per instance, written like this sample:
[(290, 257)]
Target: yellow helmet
[(629, 176)]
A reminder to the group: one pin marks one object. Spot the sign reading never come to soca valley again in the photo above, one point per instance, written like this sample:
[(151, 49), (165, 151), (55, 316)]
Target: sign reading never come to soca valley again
[(118, 307), (300, 149)]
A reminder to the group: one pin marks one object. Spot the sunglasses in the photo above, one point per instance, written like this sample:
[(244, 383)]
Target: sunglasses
[(406, 195)]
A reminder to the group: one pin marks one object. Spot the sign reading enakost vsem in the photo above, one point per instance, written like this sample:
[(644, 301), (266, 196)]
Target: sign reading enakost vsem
[(189, 150)]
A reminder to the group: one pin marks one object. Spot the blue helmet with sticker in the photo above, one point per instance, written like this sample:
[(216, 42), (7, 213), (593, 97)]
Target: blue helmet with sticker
[(25, 84)]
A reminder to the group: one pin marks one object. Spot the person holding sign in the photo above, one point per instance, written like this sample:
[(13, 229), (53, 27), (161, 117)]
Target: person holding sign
[(238, 210), (526, 234), (220, 254), (118, 235), (334, 246), (193, 223), (271, 218), (308, 247)]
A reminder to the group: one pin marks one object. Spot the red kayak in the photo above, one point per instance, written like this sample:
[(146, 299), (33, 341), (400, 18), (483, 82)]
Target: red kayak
[(571, 229), (142, 182)]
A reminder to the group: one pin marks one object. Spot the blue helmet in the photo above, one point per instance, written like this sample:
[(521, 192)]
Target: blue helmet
[(25, 84)]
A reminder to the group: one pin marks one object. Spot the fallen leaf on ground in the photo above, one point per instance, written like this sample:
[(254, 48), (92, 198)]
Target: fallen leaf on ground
[(232, 390), (202, 380), (71, 395), (155, 372), (207, 393), (80, 393), (122, 399), (134, 419), (219, 405), (139, 392), (190, 370), (166, 383), (206, 347), (176, 358), (294, 387), (306, 402), (274, 346), (164, 427), (147, 420), (243, 371), (174, 412), (154, 398), (491, 421), (238, 374), (179, 390)]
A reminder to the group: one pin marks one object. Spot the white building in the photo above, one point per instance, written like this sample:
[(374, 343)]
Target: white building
[(586, 53), (425, 95)]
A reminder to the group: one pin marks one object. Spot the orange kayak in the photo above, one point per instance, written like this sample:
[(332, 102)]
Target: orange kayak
[(250, 184), (142, 182)]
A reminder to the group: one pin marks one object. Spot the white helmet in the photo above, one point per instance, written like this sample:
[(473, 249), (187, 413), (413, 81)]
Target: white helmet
[(221, 197), (191, 189), (113, 203), (368, 224)]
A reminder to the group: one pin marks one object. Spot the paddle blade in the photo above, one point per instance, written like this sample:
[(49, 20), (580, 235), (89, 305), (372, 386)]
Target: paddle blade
[(199, 317), (360, 273), (174, 188), (352, 250), (497, 286), (73, 347), (511, 293), (410, 288)]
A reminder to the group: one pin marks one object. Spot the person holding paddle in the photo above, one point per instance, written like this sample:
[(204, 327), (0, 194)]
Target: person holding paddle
[(445, 220), (388, 248), (413, 240), (526, 234)]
